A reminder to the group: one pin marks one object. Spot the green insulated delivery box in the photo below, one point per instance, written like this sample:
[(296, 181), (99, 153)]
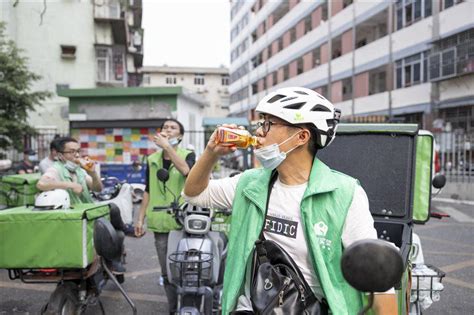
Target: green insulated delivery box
[(18, 190), (33, 238)]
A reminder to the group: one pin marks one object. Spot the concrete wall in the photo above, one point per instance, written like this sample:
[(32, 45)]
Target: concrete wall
[(212, 91), (191, 116), (64, 23)]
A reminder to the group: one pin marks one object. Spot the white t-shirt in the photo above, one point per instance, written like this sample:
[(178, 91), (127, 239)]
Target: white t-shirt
[(52, 174), (45, 164), (283, 221)]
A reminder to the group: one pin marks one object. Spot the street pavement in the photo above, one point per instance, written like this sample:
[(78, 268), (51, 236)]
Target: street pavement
[(447, 244)]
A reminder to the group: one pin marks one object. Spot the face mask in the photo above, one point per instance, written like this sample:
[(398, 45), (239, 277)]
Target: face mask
[(270, 156), (71, 166), (33, 158), (174, 141)]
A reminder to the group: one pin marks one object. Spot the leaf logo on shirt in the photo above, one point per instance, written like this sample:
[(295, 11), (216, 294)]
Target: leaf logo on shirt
[(320, 229)]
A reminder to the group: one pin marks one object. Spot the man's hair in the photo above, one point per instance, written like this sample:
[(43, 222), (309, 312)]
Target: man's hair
[(61, 142), (181, 127), (54, 144), (313, 141)]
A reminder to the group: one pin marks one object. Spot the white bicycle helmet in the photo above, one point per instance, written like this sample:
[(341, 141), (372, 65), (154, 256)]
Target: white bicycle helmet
[(298, 105), (53, 199)]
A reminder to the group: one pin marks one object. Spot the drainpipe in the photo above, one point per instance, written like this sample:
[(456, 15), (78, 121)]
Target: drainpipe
[(353, 59), (390, 60), (434, 93)]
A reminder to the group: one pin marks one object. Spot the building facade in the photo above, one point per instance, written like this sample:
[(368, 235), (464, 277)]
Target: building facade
[(404, 60), (75, 44), (210, 83)]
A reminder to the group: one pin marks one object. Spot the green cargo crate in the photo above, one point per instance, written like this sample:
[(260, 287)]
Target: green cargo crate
[(18, 190), (48, 239)]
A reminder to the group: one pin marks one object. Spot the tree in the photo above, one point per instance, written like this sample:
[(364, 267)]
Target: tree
[(16, 97)]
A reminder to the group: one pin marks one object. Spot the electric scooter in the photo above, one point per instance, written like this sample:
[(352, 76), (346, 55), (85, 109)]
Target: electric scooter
[(196, 257)]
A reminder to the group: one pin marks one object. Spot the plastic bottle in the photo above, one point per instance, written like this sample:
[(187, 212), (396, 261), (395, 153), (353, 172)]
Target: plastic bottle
[(239, 137), (87, 163), (161, 281)]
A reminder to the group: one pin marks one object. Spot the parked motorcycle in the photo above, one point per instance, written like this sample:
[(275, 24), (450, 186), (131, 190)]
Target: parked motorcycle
[(77, 287), (196, 257)]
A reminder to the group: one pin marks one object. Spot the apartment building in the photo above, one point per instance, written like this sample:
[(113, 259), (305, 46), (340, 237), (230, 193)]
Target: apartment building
[(404, 60), (209, 83), (75, 44)]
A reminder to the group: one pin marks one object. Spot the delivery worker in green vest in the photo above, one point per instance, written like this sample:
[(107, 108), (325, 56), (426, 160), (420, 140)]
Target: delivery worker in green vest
[(313, 212), (178, 162), (78, 178)]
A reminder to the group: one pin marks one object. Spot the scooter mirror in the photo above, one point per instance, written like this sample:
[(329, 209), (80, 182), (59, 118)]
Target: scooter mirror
[(439, 181), (372, 265), (163, 175)]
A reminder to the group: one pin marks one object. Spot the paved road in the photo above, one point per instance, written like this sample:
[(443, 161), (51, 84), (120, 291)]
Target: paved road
[(447, 244)]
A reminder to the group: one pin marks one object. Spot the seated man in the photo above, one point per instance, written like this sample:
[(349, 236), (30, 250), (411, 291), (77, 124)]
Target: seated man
[(71, 174)]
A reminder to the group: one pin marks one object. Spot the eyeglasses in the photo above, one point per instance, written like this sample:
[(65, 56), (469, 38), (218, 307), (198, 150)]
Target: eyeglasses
[(266, 124), (79, 151)]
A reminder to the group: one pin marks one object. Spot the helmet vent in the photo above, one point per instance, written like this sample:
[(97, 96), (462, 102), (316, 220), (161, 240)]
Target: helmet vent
[(320, 108), (289, 99), (276, 98), (301, 92), (295, 106)]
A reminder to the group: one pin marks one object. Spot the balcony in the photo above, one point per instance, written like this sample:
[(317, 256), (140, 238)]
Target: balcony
[(110, 11)]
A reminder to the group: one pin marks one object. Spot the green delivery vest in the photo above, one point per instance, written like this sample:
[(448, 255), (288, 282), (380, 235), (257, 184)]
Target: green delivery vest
[(161, 221), (325, 203), (65, 176)]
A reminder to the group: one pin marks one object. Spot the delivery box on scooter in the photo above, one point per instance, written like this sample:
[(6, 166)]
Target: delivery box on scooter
[(393, 163), (34, 238), (18, 190)]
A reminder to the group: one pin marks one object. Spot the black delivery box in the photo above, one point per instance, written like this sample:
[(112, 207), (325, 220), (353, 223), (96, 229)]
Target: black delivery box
[(383, 157)]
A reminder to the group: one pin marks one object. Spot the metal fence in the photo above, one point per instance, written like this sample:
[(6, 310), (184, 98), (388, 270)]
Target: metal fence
[(456, 155)]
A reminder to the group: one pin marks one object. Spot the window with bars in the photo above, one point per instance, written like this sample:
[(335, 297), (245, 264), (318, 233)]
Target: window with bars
[(110, 64)]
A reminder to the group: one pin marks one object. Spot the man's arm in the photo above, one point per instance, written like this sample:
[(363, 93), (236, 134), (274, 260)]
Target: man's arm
[(50, 181), (198, 177), (178, 162), (96, 184), (139, 230), (385, 304)]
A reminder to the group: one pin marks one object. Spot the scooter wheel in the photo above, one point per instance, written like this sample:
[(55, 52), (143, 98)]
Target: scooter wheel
[(64, 300)]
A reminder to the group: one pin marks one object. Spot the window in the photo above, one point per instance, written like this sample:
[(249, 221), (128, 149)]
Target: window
[(411, 11), (324, 11), (346, 89), (280, 43), (378, 80), (199, 79), (286, 72), (307, 24), (255, 88), (225, 80), (299, 66), (293, 35), (170, 78), (68, 52), (410, 70), (275, 77), (110, 64), (316, 57)]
